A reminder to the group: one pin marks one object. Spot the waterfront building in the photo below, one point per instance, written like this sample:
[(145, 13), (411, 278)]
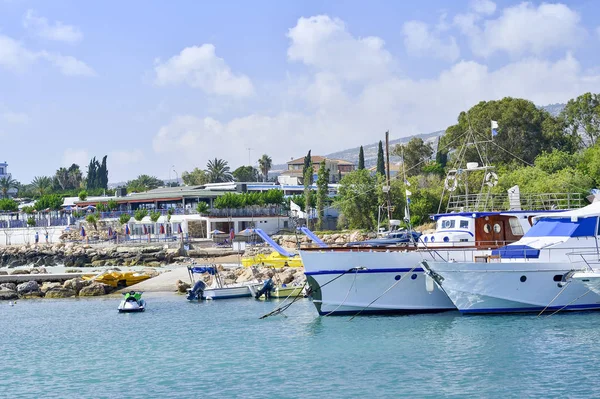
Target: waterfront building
[(338, 168), (5, 175)]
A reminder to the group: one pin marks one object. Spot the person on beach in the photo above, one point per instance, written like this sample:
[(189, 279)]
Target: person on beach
[(37, 237), (46, 237)]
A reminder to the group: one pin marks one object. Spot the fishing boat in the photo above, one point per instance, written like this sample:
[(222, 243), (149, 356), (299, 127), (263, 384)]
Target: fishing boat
[(550, 268), (132, 302), (217, 289), (271, 290)]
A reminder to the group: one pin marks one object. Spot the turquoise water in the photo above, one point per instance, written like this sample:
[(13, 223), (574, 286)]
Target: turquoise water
[(83, 348)]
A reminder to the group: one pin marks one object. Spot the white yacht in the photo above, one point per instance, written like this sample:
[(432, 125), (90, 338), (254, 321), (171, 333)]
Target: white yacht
[(549, 269), (348, 280)]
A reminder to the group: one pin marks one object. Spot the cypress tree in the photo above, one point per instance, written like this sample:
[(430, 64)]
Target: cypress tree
[(361, 158), (380, 160), (307, 165), (103, 174), (441, 156), (91, 175)]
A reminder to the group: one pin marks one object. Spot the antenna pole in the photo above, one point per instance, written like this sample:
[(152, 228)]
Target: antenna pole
[(387, 176)]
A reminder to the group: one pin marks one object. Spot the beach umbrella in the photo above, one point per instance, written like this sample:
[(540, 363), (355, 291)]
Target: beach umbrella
[(216, 231), (246, 232), (162, 229), (82, 231), (127, 229)]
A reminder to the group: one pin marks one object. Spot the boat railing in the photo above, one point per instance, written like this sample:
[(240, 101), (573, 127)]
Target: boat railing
[(590, 259), (485, 202)]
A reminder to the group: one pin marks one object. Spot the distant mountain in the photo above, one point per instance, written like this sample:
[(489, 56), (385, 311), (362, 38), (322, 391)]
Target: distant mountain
[(554, 109)]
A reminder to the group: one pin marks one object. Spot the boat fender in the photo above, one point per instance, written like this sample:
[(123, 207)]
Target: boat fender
[(429, 283)]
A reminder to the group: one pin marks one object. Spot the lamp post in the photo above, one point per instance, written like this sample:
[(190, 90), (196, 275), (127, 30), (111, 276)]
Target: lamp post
[(176, 175)]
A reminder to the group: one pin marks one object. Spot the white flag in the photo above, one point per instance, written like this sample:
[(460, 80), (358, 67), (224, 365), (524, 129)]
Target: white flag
[(494, 128), (408, 193)]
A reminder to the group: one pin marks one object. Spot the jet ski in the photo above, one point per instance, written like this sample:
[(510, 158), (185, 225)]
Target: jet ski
[(132, 302)]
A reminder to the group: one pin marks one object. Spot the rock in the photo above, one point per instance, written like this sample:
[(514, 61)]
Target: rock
[(150, 272), (340, 240), (48, 286), (6, 294), (147, 250), (75, 284), (96, 263), (10, 286), (3, 272), (28, 287), (95, 289), (153, 264), (20, 271), (182, 286), (245, 275), (60, 292)]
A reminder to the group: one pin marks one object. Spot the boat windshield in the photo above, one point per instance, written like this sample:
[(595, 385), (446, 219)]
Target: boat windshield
[(550, 227), (448, 224)]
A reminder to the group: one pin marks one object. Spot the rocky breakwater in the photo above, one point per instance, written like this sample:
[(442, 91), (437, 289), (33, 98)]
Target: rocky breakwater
[(69, 288), (82, 255), (238, 275), (331, 239)]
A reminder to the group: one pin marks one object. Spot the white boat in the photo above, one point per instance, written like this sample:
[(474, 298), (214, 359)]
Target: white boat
[(217, 290), (545, 270)]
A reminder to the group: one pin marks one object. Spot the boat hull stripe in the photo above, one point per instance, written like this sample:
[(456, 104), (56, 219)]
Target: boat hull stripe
[(367, 271)]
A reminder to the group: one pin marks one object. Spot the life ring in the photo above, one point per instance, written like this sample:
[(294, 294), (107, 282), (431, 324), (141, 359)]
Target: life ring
[(491, 179), (451, 183)]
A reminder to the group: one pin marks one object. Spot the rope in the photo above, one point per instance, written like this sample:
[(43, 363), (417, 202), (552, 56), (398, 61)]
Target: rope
[(384, 292), (560, 292), (580, 296), (347, 294)]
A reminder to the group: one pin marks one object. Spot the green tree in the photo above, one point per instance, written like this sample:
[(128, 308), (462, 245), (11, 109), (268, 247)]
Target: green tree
[(140, 213), (93, 220), (83, 195), (357, 200), (265, 163), (8, 205), (48, 201), (361, 158), (380, 160), (307, 165), (551, 162), (112, 204), (124, 218), (144, 183), (322, 191), (6, 185), (154, 216), (582, 116), (202, 208), (245, 173), (102, 174), (42, 185), (92, 174), (590, 164), (196, 177), (218, 171), (415, 154), (441, 155)]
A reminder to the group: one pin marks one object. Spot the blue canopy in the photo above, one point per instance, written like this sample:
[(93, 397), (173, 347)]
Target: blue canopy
[(203, 269), (517, 252), (563, 227)]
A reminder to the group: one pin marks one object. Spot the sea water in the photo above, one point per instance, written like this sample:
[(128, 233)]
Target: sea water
[(83, 348)]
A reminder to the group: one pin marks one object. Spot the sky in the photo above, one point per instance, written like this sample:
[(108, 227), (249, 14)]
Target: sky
[(162, 87)]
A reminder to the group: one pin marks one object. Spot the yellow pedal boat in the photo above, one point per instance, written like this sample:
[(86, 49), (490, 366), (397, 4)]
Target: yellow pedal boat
[(274, 259), (118, 279)]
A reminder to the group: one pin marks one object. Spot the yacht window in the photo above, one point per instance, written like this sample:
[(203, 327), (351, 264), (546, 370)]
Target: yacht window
[(487, 228), (497, 228), (448, 224), (515, 227), (464, 224)]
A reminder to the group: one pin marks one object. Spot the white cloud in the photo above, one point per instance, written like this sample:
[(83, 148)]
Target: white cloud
[(420, 40), (524, 29), (485, 7), (326, 44), (15, 118), (51, 31), (69, 66), (79, 156), (201, 68), (16, 57), (120, 159)]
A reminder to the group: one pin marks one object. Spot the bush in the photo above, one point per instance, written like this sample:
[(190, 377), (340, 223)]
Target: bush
[(202, 208), (93, 220), (101, 207), (28, 210), (124, 218), (31, 221), (50, 201), (112, 204), (139, 214), (8, 205), (154, 216), (83, 195)]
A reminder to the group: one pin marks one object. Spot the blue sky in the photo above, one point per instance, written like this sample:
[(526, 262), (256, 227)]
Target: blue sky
[(167, 85)]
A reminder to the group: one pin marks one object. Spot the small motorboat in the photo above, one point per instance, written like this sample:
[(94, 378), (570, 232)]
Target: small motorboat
[(271, 290), (217, 290), (132, 302)]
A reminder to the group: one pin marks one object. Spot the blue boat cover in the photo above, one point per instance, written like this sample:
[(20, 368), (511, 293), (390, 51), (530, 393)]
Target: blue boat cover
[(203, 269), (564, 227), (517, 252)]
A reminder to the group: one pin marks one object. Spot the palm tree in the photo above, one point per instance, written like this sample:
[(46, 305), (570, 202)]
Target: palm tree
[(42, 185), (144, 183), (6, 184), (62, 177), (265, 162), (218, 171)]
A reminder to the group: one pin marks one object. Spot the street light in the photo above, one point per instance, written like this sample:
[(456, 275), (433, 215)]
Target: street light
[(176, 175)]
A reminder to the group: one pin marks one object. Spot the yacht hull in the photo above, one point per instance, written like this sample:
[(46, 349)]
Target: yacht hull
[(512, 287), (370, 283)]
